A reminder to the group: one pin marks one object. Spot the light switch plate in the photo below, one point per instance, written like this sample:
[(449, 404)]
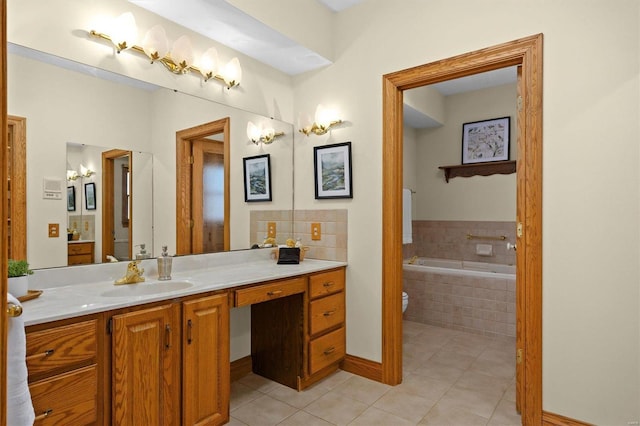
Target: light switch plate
[(271, 229), (54, 230), (316, 231)]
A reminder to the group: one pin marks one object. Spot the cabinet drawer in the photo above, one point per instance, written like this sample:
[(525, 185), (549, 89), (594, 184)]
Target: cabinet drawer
[(326, 283), (326, 350), (80, 248), (326, 313), (69, 398), (263, 293), (80, 259), (62, 347)]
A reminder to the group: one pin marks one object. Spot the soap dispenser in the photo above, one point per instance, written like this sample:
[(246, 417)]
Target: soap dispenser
[(164, 265), (143, 252)]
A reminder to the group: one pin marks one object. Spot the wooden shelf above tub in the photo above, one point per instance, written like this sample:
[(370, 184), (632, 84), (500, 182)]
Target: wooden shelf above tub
[(479, 169)]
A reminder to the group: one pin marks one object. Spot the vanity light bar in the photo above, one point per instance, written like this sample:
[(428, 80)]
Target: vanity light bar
[(169, 64)]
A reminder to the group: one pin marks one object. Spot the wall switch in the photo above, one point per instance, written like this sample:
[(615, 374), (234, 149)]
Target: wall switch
[(271, 229), (316, 231), (54, 230)]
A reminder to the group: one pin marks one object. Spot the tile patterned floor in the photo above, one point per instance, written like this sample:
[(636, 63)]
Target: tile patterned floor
[(450, 378)]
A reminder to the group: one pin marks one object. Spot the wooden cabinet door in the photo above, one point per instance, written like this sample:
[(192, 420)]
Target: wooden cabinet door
[(206, 382), (146, 367)]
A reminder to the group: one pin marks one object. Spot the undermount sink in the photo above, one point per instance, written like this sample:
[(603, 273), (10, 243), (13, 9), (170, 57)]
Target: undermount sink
[(144, 289)]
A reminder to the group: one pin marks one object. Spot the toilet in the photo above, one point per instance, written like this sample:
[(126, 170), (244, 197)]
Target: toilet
[(405, 301)]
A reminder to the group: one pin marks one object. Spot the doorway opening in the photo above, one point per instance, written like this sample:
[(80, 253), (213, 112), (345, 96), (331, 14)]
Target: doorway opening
[(525, 53), (117, 201), (202, 188)]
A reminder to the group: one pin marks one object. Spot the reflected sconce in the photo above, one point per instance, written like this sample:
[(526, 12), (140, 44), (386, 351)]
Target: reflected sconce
[(85, 173), (324, 119), (179, 59), (72, 175), (257, 134)]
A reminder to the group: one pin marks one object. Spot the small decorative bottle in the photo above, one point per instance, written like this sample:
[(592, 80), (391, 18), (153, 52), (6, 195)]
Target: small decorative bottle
[(164, 265)]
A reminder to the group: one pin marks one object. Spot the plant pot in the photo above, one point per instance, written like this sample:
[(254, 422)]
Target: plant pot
[(19, 286)]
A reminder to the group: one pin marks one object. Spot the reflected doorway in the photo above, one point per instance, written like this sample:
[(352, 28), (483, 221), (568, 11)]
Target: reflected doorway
[(17, 187), (202, 189), (117, 198)]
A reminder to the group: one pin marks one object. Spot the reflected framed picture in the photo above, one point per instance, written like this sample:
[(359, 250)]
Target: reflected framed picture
[(71, 198), (257, 178), (332, 170), (485, 141), (90, 195)]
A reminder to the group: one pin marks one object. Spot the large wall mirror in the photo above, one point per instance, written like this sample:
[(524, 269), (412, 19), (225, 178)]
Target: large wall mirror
[(76, 112)]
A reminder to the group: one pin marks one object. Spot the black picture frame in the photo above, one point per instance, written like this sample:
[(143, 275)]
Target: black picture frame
[(90, 196), (486, 141), (257, 178), (71, 198), (332, 171)]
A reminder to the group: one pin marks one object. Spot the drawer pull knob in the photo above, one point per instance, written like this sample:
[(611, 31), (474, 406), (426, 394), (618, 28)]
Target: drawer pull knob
[(44, 415), (274, 292), (327, 284), (331, 350), (329, 313), (44, 354)]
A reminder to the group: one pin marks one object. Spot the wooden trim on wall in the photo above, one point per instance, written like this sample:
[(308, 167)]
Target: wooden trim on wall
[(18, 190), (362, 367), (183, 181), (551, 419), (525, 52), (241, 367)]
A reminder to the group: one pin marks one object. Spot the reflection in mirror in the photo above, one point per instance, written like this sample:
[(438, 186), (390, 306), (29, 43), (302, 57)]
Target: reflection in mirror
[(80, 107), (113, 223)]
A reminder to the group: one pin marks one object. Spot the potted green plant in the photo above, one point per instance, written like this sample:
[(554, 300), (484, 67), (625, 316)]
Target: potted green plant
[(18, 271)]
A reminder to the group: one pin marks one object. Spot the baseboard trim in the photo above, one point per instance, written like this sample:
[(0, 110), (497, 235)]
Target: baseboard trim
[(240, 368), (552, 419), (362, 367)]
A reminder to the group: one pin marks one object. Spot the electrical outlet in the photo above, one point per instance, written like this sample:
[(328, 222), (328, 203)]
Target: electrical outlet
[(271, 229), (54, 230), (316, 231)]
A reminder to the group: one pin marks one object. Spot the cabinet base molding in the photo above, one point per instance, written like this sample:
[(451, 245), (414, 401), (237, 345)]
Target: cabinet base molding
[(552, 419), (362, 367), (240, 368)]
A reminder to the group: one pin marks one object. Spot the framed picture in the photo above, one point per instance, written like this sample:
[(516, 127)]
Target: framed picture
[(332, 170), (257, 178), (90, 195), (71, 198), (485, 141)]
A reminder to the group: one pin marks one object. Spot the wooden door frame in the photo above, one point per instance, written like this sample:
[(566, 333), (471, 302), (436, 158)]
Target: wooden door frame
[(527, 53), (183, 180), (18, 187), (108, 190), (5, 216)]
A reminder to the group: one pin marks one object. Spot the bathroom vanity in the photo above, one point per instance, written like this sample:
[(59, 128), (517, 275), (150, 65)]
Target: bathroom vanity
[(104, 354)]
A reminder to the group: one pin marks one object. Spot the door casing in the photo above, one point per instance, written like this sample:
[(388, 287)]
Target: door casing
[(525, 53)]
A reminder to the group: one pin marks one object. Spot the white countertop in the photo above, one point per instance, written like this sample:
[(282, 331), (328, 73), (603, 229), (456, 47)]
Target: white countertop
[(76, 291)]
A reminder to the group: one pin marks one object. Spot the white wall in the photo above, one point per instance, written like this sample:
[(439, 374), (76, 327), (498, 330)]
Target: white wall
[(487, 198), (590, 183)]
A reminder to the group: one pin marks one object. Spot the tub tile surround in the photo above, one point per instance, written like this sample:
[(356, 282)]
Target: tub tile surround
[(334, 225), (481, 305), (443, 239)]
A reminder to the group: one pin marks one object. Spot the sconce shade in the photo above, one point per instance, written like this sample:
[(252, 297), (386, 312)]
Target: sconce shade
[(124, 32), (209, 63), (182, 53), (324, 116), (232, 73), (155, 43), (253, 132), (72, 175)]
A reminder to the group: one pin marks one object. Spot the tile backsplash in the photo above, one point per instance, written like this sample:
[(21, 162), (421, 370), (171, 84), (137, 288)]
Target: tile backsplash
[(445, 239), (333, 222)]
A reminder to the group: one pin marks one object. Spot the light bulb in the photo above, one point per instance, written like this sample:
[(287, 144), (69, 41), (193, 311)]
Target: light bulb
[(253, 132), (155, 43), (209, 63), (232, 73), (182, 54), (124, 32)]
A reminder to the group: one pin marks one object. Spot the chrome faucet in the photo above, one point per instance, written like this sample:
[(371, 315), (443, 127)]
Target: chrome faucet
[(133, 275)]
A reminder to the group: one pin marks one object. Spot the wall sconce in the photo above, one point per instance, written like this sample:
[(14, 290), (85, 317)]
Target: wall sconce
[(179, 59), (72, 175), (85, 173), (324, 120), (258, 134)]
